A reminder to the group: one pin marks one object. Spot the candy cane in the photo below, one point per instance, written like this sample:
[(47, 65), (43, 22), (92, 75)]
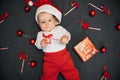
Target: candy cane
[(75, 5), (23, 57), (86, 25), (4, 48), (102, 9), (3, 17), (96, 7)]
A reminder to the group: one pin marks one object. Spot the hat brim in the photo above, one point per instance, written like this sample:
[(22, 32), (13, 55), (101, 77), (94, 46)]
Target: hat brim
[(50, 9)]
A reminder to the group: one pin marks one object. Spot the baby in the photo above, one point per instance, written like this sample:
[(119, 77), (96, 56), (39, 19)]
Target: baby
[(52, 39)]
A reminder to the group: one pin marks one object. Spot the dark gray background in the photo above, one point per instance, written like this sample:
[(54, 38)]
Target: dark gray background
[(18, 19)]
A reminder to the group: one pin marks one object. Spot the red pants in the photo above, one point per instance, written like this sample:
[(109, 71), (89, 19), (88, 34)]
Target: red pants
[(59, 62)]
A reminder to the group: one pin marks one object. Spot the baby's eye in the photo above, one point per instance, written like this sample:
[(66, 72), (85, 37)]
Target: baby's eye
[(50, 20), (43, 22)]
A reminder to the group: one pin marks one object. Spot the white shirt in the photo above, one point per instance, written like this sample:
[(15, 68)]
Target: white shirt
[(55, 44)]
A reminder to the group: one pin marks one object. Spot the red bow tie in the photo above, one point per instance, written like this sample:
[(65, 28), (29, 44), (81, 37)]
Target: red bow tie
[(47, 36)]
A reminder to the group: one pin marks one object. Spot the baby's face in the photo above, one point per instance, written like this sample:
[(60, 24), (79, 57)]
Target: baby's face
[(46, 21)]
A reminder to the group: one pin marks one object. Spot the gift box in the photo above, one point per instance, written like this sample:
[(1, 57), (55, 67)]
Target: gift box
[(85, 49)]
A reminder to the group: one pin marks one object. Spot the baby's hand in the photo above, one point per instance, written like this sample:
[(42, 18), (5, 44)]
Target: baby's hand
[(43, 42), (64, 39)]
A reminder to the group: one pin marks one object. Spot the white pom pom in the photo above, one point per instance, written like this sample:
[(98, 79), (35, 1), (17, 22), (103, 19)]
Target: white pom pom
[(30, 3)]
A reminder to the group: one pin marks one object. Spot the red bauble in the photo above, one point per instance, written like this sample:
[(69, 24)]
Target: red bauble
[(32, 41), (27, 8), (20, 33), (92, 13), (103, 49), (32, 64), (118, 27)]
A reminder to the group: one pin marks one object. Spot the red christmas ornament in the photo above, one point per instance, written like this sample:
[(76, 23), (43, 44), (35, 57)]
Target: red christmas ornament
[(20, 33), (32, 64), (118, 27), (103, 49), (27, 8), (92, 13), (32, 41)]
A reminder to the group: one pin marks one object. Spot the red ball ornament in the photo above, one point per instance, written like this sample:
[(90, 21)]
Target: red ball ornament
[(27, 8), (32, 41), (103, 49), (118, 27), (92, 13), (20, 33), (32, 64)]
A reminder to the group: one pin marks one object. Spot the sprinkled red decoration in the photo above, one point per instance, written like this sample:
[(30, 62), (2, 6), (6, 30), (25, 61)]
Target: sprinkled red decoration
[(20, 33), (32, 41), (103, 49), (27, 8), (92, 13), (117, 26), (32, 64)]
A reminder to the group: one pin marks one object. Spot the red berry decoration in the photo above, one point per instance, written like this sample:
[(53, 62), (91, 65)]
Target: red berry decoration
[(92, 13), (27, 8), (118, 27), (32, 41), (32, 64), (103, 49), (20, 33)]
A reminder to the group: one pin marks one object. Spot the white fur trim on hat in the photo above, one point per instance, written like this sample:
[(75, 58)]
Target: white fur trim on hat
[(50, 9), (30, 3)]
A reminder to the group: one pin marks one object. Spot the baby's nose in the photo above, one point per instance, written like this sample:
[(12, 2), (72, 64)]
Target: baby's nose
[(47, 23)]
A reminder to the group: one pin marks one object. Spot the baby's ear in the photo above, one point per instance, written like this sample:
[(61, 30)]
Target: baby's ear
[(56, 20), (56, 23)]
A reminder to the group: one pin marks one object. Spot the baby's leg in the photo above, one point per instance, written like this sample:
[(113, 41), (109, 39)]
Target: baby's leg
[(50, 72), (69, 71)]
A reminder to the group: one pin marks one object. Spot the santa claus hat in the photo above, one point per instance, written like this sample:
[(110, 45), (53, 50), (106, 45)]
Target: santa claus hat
[(46, 6)]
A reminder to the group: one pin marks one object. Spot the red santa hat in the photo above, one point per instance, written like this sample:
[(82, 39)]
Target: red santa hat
[(46, 6)]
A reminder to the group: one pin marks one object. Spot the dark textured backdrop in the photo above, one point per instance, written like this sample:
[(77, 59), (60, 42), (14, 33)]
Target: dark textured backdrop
[(18, 19)]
